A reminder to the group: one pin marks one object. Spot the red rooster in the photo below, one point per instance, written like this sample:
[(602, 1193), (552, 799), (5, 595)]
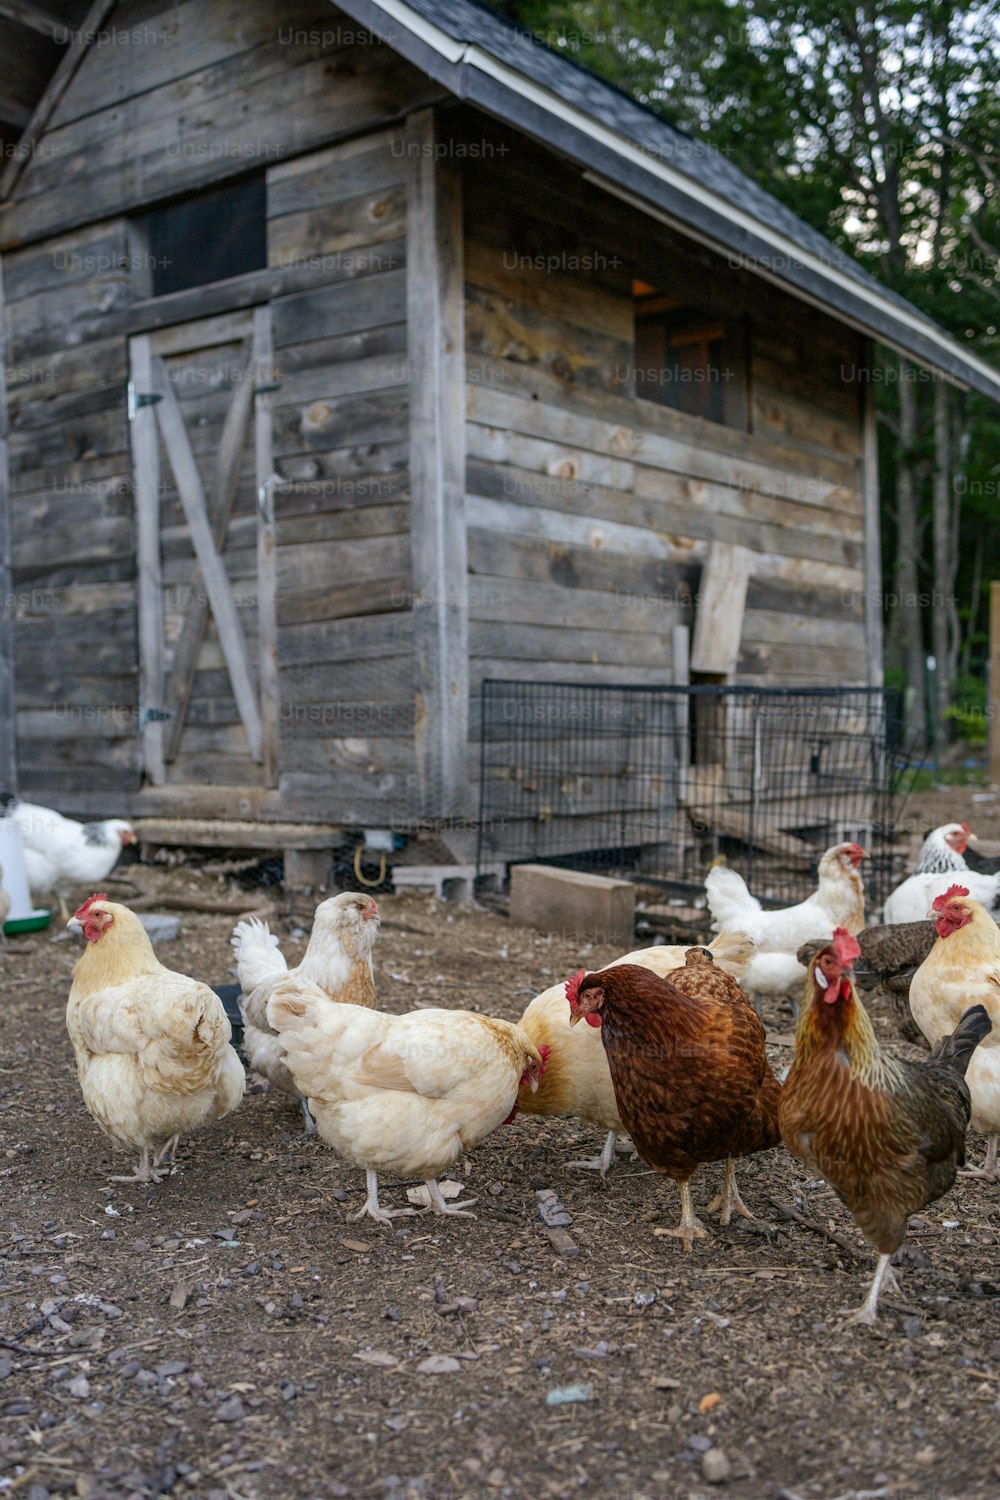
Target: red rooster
[(689, 1068), (888, 1135)]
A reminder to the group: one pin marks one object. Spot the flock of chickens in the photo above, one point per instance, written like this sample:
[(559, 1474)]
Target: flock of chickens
[(672, 1050)]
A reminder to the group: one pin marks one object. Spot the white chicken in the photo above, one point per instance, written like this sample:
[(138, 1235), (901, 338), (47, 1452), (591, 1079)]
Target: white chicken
[(963, 969), (152, 1047), (942, 858), (838, 901), (577, 1081), (60, 854), (401, 1094), (337, 960)]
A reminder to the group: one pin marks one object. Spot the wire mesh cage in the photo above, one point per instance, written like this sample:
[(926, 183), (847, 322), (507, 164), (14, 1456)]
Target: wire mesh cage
[(657, 782)]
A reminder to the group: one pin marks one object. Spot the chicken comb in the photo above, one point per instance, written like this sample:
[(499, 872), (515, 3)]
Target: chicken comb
[(940, 902), (845, 947), (82, 911), (573, 987)]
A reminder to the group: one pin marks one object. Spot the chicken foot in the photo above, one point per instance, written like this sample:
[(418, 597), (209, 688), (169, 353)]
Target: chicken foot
[(168, 1150), (602, 1163), (729, 1201), (989, 1169), (144, 1172), (374, 1209), (441, 1206), (310, 1123), (884, 1276), (690, 1228)]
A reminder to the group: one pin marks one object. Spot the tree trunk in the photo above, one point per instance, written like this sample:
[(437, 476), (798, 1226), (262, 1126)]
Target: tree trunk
[(907, 602)]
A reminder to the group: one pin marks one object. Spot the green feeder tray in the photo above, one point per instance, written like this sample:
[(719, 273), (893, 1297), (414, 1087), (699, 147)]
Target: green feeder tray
[(37, 922)]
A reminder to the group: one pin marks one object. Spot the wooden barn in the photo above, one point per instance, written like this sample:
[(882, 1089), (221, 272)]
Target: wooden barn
[(355, 354)]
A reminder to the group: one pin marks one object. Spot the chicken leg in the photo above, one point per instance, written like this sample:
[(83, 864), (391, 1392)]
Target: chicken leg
[(690, 1228), (868, 1310), (989, 1169), (310, 1123), (144, 1172), (729, 1201), (374, 1209), (441, 1206), (168, 1150), (602, 1163)]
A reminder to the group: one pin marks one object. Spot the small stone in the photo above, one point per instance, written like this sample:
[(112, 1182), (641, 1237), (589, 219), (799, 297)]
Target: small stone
[(567, 1395), (439, 1364), (171, 1367), (232, 1410), (78, 1387), (716, 1466), (699, 1442)]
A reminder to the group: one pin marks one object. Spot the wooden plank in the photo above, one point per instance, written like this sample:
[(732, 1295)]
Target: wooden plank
[(267, 580), (8, 727), (436, 354), (213, 570), (873, 528), (146, 469), (718, 621), (56, 88), (188, 647), (210, 833)]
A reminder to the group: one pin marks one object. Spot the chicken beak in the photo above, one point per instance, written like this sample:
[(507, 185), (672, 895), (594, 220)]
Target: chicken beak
[(73, 925), (533, 1082), (575, 1016)]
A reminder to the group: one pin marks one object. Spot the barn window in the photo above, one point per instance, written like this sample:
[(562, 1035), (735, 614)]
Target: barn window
[(207, 237), (691, 357)]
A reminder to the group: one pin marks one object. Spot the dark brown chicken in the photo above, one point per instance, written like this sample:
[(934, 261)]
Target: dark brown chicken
[(890, 956), (689, 1068), (888, 1135)]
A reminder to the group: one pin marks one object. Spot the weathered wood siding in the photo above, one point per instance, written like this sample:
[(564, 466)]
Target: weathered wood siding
[(206, 93), (345, 640), (591, 512), (73, 535)]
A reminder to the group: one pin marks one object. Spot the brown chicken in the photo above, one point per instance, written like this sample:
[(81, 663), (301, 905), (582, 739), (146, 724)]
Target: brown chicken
[(689, 1068), (888, 1135), (890, 956)]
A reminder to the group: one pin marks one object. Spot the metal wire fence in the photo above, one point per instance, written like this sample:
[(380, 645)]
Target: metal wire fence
[(656, 782)]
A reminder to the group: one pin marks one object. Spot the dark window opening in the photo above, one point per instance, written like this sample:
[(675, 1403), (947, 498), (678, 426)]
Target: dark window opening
[(691, 357), (208, 237)]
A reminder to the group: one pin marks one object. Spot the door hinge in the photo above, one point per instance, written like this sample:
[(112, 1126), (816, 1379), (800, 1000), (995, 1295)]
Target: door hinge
[(137, 399)]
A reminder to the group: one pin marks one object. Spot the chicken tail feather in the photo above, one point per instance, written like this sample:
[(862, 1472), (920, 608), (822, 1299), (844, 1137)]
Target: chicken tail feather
[(957, 1049)]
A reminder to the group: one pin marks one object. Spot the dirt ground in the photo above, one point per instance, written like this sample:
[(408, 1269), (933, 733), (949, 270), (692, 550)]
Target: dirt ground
[(234, 1333)]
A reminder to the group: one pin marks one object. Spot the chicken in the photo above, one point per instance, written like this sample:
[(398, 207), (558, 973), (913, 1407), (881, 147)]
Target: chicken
[(577, 1081), (963, 968), (690, 1071), (338, 960), (944, 849), (942, 857), (890, 956), (60, 854), (887, 1135), (152, 1047), (401, 1094), (838, 901)]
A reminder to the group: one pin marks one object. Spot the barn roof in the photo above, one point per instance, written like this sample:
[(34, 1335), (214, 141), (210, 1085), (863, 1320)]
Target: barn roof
[(634, 154)]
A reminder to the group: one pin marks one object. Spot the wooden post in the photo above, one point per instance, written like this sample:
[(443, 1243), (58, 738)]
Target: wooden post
[(8, 705), (436, 356), (873, 528), (267, 562), (146, 500), (994, 700)]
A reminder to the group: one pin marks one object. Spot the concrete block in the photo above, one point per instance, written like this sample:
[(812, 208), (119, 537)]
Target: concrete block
[(571, 903), (307, 869), (159, 927), (448, 882)]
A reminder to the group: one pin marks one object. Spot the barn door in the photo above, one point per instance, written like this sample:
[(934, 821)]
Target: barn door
[(199, 407)]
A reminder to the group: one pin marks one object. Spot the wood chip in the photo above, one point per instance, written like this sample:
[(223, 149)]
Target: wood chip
[(178, 1297), (562, 1242)]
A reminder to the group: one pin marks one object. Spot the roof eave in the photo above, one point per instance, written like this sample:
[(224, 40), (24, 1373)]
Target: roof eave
[(472, 74)]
